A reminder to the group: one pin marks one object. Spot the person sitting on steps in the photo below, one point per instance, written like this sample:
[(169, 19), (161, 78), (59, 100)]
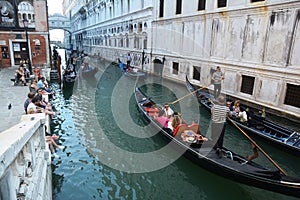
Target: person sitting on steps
[(20, 76)]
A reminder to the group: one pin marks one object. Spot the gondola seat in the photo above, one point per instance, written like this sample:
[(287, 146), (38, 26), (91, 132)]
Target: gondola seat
[(152, 111), (195, 128), (180, 129)]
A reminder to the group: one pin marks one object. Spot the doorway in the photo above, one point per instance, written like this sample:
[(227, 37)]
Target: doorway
[(158, 67), (20, 51)]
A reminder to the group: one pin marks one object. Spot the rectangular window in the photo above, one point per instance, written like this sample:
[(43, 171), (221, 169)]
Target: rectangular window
[(178, 6), (222, 3), (196, 72), (253, 1), (247, 84), (161, 8), (175, 68), (201, 4), (292, 95)]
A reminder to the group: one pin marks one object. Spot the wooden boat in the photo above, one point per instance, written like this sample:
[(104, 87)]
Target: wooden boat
[(134, 73), (222, 161), (284, 138), (68, 81)]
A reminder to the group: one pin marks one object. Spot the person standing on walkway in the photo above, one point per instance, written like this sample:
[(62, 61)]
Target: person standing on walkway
[(86, 61), (128, 60), (219, 113), (217, 78)]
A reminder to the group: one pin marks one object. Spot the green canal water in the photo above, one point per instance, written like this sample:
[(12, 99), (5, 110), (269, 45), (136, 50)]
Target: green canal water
[(112, 153)]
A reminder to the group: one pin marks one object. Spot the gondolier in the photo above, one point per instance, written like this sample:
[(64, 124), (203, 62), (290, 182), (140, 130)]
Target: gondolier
[(128, 60), (217, 78), (219, 113)]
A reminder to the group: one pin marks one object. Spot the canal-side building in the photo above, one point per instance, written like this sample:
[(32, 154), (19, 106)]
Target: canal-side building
[(255, 42), (14, 44)]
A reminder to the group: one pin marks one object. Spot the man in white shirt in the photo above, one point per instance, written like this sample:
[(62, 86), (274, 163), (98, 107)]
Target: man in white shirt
[(168, 111), (217, 78)]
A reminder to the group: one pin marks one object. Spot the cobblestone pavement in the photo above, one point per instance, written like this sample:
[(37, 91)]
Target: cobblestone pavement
[(10, 94)]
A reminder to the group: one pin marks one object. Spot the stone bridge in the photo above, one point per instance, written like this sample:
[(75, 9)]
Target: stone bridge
[(59, 44), (58, 21)]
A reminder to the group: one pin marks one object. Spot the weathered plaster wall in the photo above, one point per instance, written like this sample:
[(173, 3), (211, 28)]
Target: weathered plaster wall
[(261, 41)]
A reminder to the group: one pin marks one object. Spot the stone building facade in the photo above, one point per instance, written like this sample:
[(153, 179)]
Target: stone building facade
[(255, 42), (14, 46)]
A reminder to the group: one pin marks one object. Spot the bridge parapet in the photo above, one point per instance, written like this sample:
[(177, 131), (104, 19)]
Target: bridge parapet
[(25, 171)]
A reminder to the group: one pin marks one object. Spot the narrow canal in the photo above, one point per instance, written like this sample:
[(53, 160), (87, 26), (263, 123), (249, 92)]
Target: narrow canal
[(111, 151)]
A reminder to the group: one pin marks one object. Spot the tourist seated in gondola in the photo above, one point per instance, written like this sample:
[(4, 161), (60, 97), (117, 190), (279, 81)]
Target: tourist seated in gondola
[(168, 111), (238, 113), (191, 136), (176, 120), (162, 119), (152, 111), (230, 106)]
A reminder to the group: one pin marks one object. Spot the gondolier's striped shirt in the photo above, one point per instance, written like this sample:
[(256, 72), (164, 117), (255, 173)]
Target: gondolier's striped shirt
[(219, 113)]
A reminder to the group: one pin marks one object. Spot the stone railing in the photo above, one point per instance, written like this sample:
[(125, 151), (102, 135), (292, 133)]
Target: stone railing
[(25, 170)]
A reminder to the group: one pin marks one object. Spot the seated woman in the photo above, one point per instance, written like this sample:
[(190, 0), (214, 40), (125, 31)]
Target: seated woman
[(191, 136), (50, 141), (176, 120), (237, 112), (163, 120), (33, 87), (20, 75)]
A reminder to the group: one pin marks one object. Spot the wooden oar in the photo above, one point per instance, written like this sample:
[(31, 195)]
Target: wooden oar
[(201, 88), (253, 142)]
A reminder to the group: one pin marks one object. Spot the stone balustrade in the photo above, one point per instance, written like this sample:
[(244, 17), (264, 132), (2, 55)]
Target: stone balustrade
[(25, 170)]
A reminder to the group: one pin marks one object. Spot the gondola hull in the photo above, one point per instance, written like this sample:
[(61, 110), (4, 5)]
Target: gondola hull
[(283, 138), (134, 74), (232, 167), (68, 82)]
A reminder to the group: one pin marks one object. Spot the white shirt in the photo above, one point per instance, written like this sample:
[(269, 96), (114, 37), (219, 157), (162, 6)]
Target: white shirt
[(169, 112), (31, 108)]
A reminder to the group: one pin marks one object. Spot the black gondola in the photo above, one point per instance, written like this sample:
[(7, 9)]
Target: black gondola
[(134, 73), (287, 139), (223, 161), (68, 81)]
